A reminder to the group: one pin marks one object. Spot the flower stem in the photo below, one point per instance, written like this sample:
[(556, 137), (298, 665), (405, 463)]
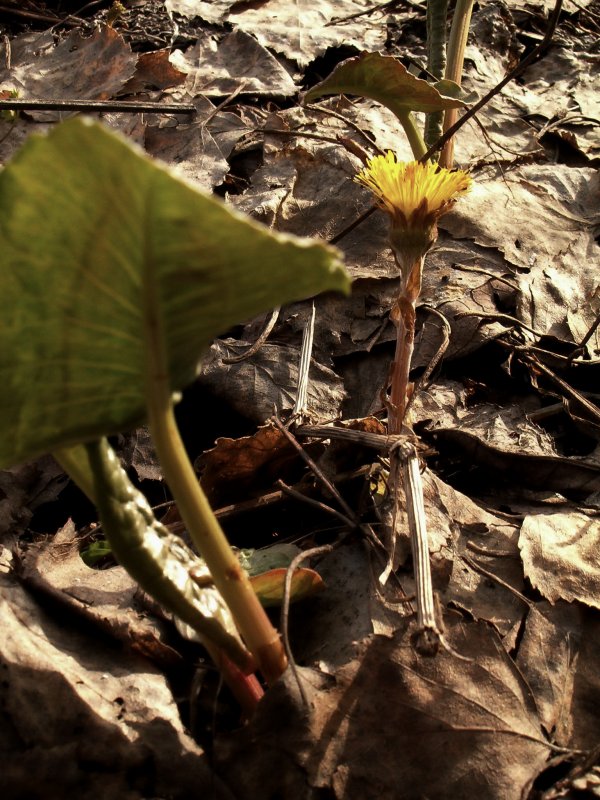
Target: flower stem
[(405, 339), (404, 316), (436, 60), (457, 43)]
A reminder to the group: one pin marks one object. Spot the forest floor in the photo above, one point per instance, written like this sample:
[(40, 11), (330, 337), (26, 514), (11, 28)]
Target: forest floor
[(101, 696)]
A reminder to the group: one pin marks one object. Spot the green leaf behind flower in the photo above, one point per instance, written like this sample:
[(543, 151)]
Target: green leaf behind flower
[(386, 80)]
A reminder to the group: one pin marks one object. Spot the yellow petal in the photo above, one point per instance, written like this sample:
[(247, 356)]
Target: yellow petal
[(415, 194)]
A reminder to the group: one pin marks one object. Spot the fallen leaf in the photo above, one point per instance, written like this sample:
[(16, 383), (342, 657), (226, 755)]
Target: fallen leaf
[(92, 68), (81, 717), (25, 488), (560, 555), (268, 381), (154, 71), (461, 727), (106, 599), (558, 657), (538, 212), (566, 475), (235, 63), (304, 30), (235, 468)]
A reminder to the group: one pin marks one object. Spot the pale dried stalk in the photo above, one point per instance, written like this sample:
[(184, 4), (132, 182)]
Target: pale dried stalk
[(301, 404), (427, 637)]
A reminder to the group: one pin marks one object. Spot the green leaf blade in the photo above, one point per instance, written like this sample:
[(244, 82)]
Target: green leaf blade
[(84, 219), (386, 80)]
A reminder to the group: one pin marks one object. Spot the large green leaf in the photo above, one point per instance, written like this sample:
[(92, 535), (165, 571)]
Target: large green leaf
[(96, 240), (386, 80)]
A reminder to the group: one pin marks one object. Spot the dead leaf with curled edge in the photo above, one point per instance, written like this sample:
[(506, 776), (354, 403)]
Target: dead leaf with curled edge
[(565, 475), (235, 467), (106, 599), (154, 71)]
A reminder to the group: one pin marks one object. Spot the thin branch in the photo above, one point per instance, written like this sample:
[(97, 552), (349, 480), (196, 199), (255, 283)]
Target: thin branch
[(129, 107), (262, 338), (285, 607)]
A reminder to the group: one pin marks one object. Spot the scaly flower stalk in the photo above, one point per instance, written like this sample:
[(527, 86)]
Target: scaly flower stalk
[(415, 195)]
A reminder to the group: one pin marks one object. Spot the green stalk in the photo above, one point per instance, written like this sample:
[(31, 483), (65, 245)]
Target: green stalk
[(75, 462), (229, 577), (412, 133), (457, 43), (436, 60)]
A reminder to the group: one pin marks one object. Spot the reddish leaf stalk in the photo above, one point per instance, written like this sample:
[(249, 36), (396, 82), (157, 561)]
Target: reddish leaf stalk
[(245, 688), (404, 316)]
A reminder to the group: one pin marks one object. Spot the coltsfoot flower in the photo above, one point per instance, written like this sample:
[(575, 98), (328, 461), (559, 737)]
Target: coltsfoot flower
[(415, 195)]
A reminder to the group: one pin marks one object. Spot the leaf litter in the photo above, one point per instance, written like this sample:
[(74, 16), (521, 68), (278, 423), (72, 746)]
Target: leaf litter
[(511, 486)]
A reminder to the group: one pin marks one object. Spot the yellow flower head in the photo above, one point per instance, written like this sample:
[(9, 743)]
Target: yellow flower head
[(414, 193)]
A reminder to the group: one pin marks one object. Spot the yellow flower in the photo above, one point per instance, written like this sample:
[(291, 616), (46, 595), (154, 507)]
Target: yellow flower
[(415, 194)]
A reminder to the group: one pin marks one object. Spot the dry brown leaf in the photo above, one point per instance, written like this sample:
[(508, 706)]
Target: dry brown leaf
[(393, 722), (93, 68), (210, 10), (305, 29), (550, 473), (489, 539), (236, 62), (558, 655), (560, 555), (507, 428), (82, 718), (268, 381), (543, 220), (199, 150), (235, 467), (154, 71), (25, 488), (106, 599)]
